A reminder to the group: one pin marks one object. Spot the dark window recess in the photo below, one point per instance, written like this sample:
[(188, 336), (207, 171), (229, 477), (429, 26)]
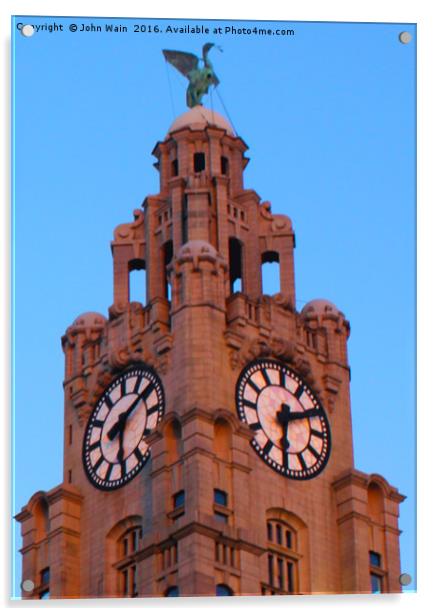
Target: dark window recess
[(70, 435), (279, 534), (184, 220), (222, 590), (220, 497), (375, 559), (288, 538), (290, 577), (179, 499), (198, 162), (281, 573), (269, 532), (45, 576), (376, 583), (220, 517), (168, 253), (173, 591), (224, 165), (270, 569), (235, 250), (174, 168), (70, 476)]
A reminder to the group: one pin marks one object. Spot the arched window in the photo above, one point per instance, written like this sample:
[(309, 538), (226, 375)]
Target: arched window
[(222, 590), (42, 520), (270, 273), (168, 253), (282, 558), (128, 546), (172, 591), (137, 281), (236, 265)]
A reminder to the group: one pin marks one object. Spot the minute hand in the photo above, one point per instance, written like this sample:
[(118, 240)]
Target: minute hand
[(303, 415), (119, 425)]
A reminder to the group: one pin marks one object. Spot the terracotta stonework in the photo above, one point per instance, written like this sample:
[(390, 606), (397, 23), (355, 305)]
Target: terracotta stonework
[(194, 239)]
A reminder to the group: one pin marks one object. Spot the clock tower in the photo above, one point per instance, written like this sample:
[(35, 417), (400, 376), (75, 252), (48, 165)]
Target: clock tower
[(208, 436)]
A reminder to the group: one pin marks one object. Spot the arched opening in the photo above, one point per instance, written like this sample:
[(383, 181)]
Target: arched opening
[(375, 501), (168, 253), (174, 441), (42, 520), (222, 590), (137, 281), (270, 273), (222, 439), (198, 162), (224, 165), (236, 265)]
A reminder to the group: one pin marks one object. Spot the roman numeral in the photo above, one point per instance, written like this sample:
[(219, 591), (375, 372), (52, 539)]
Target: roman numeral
[(268, 446), (282, 378), (298, 393), (266, 376), (153, 409), (138, 454), (98, 463), (254, 386), (137, 384), (316, 433), (255, 426), (148, 389), (315, 453), (302, 461), (97, 423), (123, 468), (285, 459), (250, 404), (109, 470), (123, 392), (108, 401), (94, 446)]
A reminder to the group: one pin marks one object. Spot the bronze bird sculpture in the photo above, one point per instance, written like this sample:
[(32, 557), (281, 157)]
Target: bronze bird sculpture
[(200, 77)]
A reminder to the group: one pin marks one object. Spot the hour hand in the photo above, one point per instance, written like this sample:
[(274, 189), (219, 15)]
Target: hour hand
[(114, 430), (303, 415)]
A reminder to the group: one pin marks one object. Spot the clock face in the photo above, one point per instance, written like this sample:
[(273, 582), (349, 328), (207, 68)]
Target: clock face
[(115, 447), (290, 427)]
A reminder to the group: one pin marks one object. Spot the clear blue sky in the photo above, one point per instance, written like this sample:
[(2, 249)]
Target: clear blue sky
[(329, 116)]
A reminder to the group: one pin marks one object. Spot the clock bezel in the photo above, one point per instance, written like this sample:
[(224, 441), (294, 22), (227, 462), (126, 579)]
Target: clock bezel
[(99, 483), (299, 475)]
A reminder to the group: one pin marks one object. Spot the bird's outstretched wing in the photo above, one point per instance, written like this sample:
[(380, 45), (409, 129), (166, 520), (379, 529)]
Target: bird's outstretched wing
[(184, 62)]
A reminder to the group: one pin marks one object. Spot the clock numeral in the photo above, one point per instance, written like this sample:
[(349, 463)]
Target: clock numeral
[(153, 410), (123, 392), (315, 453), (138, 454), (137, 384), (108, 401), (255, 426), (98, 463), (302, 461), (97, 423), (249, 404), (266, 377), (94, 446), (300, 390), (316, 433), (123, 467), (282, 378), (285, 459), (254, 386), (147, 391), (268, 446), (109, 470)]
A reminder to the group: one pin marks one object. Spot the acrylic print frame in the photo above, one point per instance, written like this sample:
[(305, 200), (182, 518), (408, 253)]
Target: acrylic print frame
[(173, 343)]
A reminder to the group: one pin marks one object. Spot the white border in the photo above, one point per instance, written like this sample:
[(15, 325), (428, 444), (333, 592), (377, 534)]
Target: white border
[(420, 12)]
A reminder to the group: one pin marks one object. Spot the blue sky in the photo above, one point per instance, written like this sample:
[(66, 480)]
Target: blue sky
[(329, 117)]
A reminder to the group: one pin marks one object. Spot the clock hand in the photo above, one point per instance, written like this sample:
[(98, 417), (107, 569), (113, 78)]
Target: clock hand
[(283, 417), (304, 414), (114, 430)]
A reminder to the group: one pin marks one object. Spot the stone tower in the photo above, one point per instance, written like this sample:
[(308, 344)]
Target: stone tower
[(208, 436)]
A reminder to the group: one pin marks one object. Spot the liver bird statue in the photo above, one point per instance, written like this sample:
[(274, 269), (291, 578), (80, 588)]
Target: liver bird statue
[(198, 71)]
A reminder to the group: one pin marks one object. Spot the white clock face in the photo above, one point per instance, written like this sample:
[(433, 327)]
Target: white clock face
[(290, 428), (115, 447)]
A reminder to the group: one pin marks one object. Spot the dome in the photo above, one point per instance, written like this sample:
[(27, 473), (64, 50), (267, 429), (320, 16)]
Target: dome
[(198, 118), (320, 307), (196, 248), (90, 319)]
